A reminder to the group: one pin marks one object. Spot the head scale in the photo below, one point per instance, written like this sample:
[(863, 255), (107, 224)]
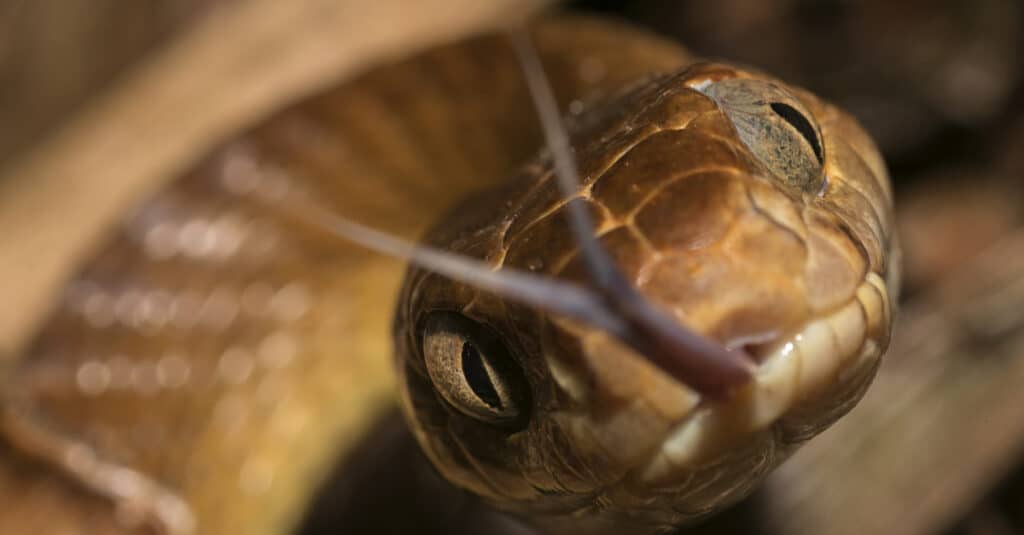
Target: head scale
[(731, 202)]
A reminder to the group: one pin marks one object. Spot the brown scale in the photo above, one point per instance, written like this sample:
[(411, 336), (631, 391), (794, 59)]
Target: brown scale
[(218, 354)]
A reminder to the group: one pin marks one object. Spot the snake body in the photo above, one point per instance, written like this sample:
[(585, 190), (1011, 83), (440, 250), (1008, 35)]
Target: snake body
[(215, 356)]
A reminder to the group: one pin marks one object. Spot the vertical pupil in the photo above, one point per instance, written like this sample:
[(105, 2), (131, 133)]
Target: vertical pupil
[(477, 377), (802, 125)]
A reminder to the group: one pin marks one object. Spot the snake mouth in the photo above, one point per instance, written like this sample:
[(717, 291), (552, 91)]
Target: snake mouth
[(824, 356)]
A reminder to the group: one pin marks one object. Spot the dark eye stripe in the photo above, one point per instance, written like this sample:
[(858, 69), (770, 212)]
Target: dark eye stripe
[(478, 378), (798, 121)]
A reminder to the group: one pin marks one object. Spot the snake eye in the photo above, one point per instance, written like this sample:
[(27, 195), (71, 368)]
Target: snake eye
[(776, 128), (473, 371)]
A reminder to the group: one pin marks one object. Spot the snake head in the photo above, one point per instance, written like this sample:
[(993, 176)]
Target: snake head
[(750, 212)]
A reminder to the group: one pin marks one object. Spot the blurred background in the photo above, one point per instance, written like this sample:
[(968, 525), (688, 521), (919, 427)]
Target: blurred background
[(938, 444)]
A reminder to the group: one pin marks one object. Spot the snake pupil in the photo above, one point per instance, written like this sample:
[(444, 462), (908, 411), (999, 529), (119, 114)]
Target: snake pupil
[(478, 378), (802, 125)]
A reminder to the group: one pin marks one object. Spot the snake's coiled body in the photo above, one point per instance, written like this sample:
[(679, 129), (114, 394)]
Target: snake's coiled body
[(216, 356)]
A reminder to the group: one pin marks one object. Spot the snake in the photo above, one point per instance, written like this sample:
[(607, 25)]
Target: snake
[(222, 348)]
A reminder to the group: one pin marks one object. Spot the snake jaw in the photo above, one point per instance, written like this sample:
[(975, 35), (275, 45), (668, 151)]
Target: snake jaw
[(657, 448), (812, 366)]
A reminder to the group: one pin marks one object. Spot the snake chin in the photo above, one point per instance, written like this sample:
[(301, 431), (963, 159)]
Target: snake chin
[(657, 450)]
